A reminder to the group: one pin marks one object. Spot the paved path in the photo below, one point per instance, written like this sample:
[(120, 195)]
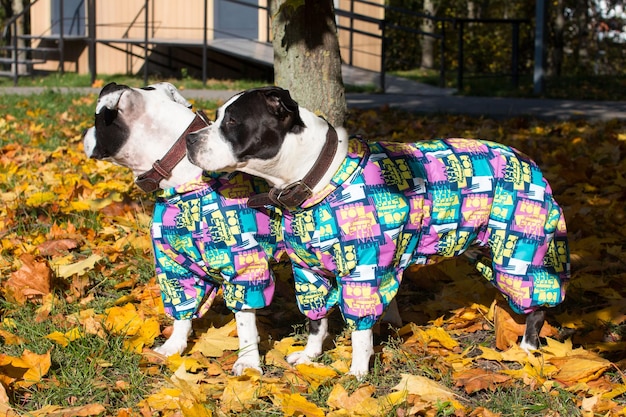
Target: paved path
[(422, 98)]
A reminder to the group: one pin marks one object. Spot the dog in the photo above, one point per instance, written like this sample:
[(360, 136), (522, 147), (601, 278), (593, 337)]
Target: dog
[(204, 235), (356, 214)]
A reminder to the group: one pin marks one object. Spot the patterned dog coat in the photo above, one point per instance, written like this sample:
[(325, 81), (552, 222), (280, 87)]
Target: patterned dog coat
[(391, 205), (205, 236)]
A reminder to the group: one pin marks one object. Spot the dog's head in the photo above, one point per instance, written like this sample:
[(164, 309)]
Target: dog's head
[(251, 125), (134, 127)]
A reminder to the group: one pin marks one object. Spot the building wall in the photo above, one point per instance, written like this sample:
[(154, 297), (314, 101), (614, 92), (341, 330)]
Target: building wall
[(172, 22), (363, 51)]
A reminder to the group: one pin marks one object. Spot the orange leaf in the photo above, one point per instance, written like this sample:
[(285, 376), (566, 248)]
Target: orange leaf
[(509, 327), (57, 247), (579, 368), (297, 405), (26, 370), (479, 379), (31, 281)]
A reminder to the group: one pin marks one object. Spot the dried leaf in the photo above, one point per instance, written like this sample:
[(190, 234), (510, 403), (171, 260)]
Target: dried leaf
[(476, 379), (32, 281), (215, 341), (427, 389), (78, 268), (57, 247), (297, 405)]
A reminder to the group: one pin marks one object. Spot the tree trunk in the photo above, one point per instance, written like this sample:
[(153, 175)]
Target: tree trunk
[(556, 63), (428, 42), (307, 60), (18, 7)]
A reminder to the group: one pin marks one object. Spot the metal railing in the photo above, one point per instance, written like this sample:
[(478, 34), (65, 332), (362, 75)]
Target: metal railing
[(347, 20)]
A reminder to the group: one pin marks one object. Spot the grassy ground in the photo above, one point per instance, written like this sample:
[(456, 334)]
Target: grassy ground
[(43, 172), (564, 87)]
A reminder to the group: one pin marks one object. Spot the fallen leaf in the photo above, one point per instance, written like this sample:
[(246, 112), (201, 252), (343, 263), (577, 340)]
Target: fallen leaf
[(579, 368), (30, 282), (297, 405), (427, 389), (476, 379), (215, 341), (240, 391), (78, 268), (316, 374), (57, 247)]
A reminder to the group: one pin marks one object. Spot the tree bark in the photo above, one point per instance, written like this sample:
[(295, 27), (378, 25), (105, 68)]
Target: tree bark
[(428, 42), (307, 60), (18, 7)]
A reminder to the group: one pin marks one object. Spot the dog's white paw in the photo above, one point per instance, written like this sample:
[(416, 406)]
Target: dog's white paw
[(246, 363), (177, 342), (171, 347), (300, 357), (362, 351)]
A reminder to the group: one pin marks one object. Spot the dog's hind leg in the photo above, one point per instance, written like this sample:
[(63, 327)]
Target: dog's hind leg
[(177, 342), (248, 342), (362, 351), (318, 331), (534, 323)]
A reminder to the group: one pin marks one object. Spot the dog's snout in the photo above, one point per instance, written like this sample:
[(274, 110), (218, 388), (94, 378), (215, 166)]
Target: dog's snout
[(192, 138)]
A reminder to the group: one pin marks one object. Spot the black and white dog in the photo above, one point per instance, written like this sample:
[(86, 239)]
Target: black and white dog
[(356, 214), (204, 235)]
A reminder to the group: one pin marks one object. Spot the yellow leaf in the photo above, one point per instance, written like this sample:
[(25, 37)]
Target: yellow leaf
[(81, 411), (316, 374), (297, 405), (79, 268), (215, 341), (41, 198), (163, 400), (26, 370), (10, 338), (240, 391), (123, 320), (427, 389), (145, 336), (579, 368), (64, 339), (442, 337), (513, 354), (359, 402), (288, 345)]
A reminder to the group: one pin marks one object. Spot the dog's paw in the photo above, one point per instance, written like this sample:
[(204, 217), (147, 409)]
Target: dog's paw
[(300, 357), (241, 365), (171, 347)]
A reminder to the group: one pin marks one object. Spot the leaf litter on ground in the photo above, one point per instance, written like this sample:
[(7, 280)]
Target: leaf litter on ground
[(76, 231)]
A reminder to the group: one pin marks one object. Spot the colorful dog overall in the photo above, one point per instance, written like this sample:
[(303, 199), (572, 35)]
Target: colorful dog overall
[(391, 205), (204, 237)]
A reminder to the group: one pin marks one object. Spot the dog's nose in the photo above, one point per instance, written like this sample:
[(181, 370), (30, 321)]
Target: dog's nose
[(192, 138)]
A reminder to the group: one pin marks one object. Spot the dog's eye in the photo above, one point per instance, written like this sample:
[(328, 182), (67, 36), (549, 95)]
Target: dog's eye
[(231, 121)]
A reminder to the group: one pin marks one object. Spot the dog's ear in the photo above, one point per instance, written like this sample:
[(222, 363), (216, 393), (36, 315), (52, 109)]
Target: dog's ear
[(172, 93), (285, 108), (110, 96)]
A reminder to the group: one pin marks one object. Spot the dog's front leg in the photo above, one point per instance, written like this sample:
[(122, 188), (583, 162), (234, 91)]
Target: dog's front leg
[(177, 342), (318, 331), (362, 351), (534, 323), (248, 342)]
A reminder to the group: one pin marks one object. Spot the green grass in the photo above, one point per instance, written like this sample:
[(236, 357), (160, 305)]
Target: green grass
[(563, 87), (99, 370), (84, 80)]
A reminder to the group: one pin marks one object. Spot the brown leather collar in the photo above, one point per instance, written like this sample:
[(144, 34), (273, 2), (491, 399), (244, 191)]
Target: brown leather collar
[(161, 169), (293, 195)]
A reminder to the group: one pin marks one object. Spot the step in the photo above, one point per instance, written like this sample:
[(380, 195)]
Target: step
[(22, 61), (28, 49)]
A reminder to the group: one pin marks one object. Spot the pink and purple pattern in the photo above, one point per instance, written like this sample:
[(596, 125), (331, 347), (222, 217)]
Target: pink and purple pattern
[(391, 205), (206, 237)]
